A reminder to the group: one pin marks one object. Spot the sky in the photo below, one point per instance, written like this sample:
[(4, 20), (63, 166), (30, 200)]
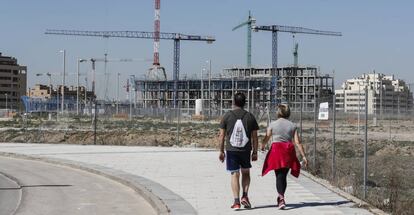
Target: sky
[(377, 35)]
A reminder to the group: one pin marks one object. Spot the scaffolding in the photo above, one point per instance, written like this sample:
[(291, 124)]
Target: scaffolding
[(263, 87)]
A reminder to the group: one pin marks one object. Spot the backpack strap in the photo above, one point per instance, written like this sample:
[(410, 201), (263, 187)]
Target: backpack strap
[(245, 112)]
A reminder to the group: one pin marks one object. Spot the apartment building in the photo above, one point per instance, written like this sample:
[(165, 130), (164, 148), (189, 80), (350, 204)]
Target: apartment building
[(47, 92), (12, 83), (386, 95)]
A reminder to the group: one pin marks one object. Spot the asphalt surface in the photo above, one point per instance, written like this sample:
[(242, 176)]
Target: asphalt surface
[(10, 194), (41, 188)]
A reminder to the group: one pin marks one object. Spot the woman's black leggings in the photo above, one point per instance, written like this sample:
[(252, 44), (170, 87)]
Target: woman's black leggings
[(281, 182)]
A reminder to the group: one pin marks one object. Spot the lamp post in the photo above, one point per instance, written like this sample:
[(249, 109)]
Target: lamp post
[(77, 85), (63, 79)]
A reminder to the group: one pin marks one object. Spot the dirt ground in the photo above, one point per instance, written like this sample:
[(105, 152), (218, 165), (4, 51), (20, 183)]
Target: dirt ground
[(390, 148)]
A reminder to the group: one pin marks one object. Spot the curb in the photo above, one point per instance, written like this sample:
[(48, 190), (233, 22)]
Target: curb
[(17, 182), (359, 202), (163, 200)]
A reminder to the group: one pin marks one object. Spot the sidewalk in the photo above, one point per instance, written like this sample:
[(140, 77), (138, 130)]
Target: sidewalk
[(198, 177)]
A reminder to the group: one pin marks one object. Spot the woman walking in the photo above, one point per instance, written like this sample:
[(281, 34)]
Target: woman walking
[(282, 155)]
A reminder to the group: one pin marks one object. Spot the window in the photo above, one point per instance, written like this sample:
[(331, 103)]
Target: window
[(5, 70)]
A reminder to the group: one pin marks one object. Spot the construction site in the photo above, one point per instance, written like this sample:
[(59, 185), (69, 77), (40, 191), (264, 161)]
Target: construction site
[(165, 108), (302, 87), (296, 86)]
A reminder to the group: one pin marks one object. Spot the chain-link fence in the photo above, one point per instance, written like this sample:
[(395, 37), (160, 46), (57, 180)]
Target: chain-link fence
[(381, 173), (334, 147)]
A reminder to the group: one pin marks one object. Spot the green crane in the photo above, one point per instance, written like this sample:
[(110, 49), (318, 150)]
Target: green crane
[(250, 22), (295, 55)]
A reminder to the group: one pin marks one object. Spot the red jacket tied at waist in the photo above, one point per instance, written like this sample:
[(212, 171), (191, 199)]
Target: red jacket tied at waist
[(281, 155)]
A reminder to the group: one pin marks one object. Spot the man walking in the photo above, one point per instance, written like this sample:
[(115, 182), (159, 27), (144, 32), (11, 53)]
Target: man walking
[(238, 129)]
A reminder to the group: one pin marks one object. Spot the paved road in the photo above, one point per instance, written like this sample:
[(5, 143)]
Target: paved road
[(10, 195), (198, 177), (50, 189)]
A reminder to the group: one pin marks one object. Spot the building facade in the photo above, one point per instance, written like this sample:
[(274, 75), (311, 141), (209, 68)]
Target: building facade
[(45, 98), (47, 92), (386, 95), (12, 83), (297, 86)]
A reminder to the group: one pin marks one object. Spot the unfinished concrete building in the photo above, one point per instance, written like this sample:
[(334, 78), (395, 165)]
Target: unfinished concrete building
[(263, 87)]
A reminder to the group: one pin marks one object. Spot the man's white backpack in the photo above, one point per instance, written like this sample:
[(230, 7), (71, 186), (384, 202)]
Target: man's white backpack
[(238, 137)]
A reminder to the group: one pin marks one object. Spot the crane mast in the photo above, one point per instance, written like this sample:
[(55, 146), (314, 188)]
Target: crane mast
[(250, 22), (157, 72), (157, 33)]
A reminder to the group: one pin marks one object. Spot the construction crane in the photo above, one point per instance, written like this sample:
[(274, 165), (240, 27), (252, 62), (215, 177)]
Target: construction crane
[(290, 29), (106, 60), (176, 37), (250, 22), (157, 72)]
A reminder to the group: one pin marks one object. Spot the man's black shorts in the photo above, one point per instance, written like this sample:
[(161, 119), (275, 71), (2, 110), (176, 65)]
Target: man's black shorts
[(237, 159)]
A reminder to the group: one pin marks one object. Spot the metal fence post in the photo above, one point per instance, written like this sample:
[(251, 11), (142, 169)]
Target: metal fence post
[(366, 143), (178, 124), (333, 137), (94, 122), (314, 132), (301, 120)]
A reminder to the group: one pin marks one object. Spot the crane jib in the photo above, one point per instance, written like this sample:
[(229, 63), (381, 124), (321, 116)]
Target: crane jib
[(132, 34)]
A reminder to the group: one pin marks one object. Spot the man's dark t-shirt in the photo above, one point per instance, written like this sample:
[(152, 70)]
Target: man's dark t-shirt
[(249, 123)]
